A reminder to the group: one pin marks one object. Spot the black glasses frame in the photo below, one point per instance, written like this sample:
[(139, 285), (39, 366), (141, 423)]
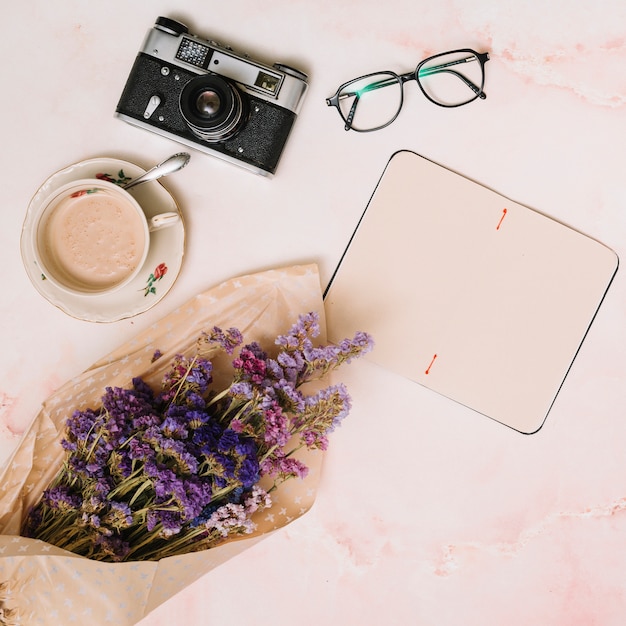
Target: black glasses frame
[(419, 71)]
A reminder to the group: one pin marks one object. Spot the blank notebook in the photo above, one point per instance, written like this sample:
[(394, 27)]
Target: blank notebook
[(476, 297)]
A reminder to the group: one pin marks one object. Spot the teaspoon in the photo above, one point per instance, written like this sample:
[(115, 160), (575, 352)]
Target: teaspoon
[(170, 165)]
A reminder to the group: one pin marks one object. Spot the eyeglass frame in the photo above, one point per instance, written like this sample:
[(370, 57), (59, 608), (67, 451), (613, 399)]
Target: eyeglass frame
[(482, 57)]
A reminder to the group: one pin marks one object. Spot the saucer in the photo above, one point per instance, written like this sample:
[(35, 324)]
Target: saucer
[(162, 265)]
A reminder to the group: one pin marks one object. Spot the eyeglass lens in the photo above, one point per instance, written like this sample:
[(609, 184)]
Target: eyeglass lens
[(371, 101), (451, 79)]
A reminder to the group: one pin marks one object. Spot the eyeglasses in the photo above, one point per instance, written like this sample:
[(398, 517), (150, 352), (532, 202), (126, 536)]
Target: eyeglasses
[(450, 79)]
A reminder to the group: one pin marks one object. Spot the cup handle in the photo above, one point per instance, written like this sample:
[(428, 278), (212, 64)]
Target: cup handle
[(163, 220)]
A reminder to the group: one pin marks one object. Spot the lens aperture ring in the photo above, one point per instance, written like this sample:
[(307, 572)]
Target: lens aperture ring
[(212, 107)]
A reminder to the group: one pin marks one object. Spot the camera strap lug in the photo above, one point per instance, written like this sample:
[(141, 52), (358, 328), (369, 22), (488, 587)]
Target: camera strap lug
[(153, 103)]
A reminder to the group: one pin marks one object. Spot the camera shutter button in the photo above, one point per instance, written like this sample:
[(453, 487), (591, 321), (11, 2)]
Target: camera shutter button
[(153, 103)]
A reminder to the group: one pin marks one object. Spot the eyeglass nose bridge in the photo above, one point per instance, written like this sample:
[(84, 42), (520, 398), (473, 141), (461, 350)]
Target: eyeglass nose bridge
[(405, 78)]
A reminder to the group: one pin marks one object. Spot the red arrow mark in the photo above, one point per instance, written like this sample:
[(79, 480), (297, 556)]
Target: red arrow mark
[(501, 219)]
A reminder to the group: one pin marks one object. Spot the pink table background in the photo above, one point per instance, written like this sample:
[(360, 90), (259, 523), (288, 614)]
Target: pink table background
[(428, 513)]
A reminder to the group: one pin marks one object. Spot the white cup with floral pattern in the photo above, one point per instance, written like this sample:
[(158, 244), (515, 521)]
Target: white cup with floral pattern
[(92, 237)]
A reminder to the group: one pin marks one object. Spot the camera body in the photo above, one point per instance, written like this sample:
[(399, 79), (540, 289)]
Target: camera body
[(211, 98)]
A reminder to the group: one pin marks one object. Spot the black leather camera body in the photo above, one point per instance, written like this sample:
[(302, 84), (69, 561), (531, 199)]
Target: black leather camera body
[(207, 96)]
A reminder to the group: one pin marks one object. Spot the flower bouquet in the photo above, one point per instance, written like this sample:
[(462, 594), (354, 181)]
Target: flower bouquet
[(151, 475), (188, 437)]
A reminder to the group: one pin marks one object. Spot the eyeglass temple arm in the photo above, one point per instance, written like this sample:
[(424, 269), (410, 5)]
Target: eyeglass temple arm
[(350, 117)]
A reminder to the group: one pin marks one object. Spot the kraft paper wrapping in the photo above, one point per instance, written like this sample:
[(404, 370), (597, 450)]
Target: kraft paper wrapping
[(48, 585)]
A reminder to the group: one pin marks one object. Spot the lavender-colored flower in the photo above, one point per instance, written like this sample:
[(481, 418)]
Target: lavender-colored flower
[(276, 426), (140, 450), (191, 497), (91, 520), (327, 408), (185, 462), (293, 365), (283, 468), (80, 426), (322, 356), (200, 375), (243, 389), (274, 370), (230, 519), (299, 335), (172, 427), (228, 339), (113, 547), (257, 500), (360, 344), (119, 516), (289, 396), (62, 499), (171, 523), (195, 400)]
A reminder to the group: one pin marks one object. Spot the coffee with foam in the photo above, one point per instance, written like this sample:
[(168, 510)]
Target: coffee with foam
[(92, 239)]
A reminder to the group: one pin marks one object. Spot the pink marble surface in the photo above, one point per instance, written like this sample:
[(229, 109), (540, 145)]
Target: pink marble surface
[(428, 513)]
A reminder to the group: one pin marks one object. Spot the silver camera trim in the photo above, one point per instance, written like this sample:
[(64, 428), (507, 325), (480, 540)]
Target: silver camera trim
[(163, 44)]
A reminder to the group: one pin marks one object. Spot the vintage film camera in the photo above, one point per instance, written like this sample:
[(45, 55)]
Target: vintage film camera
[(212, 98)]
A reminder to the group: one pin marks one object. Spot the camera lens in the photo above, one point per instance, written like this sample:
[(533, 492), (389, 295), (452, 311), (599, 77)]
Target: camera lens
[(208, 103), (212, 107)]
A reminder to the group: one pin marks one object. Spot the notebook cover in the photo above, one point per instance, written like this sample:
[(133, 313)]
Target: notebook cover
[(477, 297)]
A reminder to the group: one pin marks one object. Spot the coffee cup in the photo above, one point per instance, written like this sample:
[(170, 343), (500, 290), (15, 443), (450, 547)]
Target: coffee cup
[(92, 237)]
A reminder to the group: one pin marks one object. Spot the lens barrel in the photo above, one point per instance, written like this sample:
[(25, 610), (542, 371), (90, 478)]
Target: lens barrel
[(212, 107)]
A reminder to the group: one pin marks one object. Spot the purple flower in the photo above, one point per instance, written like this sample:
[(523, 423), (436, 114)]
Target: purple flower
[(228, 440), (292, 364), (80, 426), (315, 440), (142, 389), (360, 344), (171, 427), (257, 499), (284, 467), (62, 499), (230, 518), (228, 339), (250, 364), (298, 336), (291, 399), (170, 522), (249, 472), (328, 407), (200, 375), (276, 426), (243, 389), (185, 462), (113, 547), (118, 516)]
